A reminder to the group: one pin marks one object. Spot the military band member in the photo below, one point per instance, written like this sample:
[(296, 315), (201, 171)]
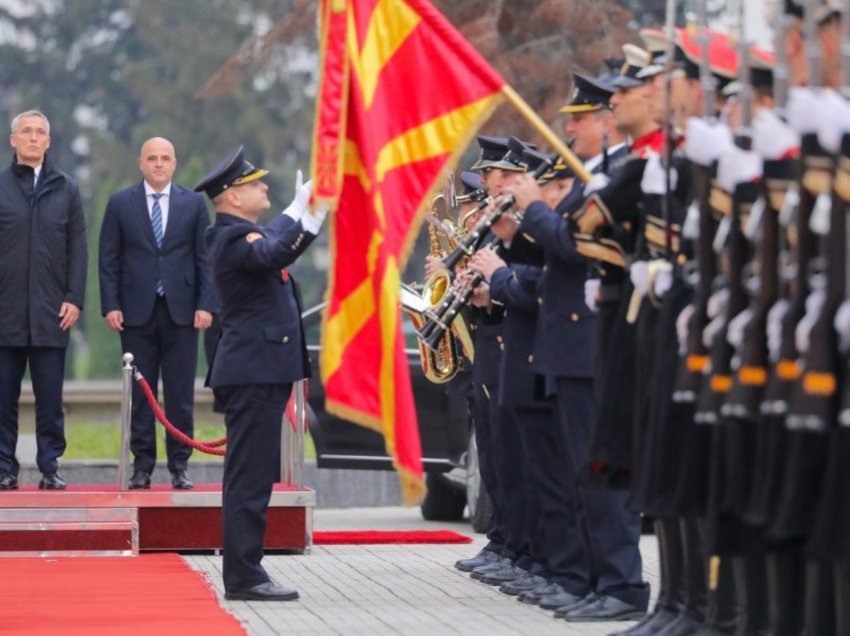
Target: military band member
[(565, 341)]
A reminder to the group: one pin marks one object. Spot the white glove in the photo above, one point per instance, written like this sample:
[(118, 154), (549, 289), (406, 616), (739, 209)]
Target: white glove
[(301, 201), (706, 140), (682, 327), (735, 331), (833, 120), (803, 109), (654, 180), (591, 293), (738, 166), (312, 221), (774, 328), (842, 326), (814, 302), (663, 279), (772, 138), (717, 303), (596, 183), (639, 275)]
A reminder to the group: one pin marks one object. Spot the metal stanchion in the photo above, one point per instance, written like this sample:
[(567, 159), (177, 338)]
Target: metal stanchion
[(292, 437), (126, 411)]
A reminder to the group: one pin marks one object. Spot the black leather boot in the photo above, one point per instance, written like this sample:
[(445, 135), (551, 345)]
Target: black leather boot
[(670, 601), (842, 601), (819, 613), (751, 586), (722, 611), (786, 575)]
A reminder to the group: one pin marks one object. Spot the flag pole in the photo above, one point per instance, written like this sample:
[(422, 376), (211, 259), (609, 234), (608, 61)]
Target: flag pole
[(548, 134)]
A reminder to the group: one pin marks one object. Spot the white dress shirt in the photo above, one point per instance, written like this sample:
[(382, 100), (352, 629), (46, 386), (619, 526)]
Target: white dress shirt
[(163, 202)]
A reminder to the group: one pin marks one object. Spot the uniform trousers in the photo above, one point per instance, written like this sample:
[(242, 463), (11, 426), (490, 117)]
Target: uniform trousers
[(47, 371), (162, 344), (253, 415), (556, 545), (613, 530), (513, 483), (484, 442)]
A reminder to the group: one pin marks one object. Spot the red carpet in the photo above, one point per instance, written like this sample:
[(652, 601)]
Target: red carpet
[(146, 595), (388, 536)]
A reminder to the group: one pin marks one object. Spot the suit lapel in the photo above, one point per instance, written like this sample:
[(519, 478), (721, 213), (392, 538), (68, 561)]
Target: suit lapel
[(140, 211)]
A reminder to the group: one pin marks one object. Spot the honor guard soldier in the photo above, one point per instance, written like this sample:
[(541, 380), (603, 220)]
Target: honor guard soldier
[(260, 353)]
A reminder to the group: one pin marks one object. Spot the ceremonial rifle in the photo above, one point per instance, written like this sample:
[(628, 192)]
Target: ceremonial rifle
[(695, 357)]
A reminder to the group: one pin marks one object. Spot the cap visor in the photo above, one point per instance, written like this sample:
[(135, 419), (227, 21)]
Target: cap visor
[(259, 173), (580, 108)]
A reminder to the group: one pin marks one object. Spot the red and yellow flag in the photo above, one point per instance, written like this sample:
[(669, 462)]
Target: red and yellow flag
[(401, 95)]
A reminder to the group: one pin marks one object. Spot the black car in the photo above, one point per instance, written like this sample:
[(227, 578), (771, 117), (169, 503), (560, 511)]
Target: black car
[(449, 455)]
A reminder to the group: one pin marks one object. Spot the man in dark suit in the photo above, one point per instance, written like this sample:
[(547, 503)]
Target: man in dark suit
[(259, 355), (156, 292), (43, 274)]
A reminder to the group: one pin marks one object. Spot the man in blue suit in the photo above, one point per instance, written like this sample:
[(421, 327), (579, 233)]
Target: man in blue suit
[(259, 355), (156, 292)]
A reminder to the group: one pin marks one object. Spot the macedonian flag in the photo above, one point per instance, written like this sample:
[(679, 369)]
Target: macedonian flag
[(401, 95)]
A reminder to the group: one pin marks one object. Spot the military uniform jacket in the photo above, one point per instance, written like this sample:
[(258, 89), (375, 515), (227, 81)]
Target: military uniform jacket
[(44, 254), (517, 287), (261, 339)]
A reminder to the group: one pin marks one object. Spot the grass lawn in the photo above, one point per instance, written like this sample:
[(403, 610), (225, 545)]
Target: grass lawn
[(98, 441)]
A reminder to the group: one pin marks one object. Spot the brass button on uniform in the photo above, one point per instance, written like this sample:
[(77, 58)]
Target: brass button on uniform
[(540, 300), (530, 359), (285, 339), (545, 267), (499, 339), (574, 317)]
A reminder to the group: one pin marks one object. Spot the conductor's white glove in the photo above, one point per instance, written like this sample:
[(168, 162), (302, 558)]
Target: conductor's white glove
[(639, 275), (654, 180), (312, 221), (735, 330), (772, 138), (706, 140), (738, 166), (591, 293), (301, 201)]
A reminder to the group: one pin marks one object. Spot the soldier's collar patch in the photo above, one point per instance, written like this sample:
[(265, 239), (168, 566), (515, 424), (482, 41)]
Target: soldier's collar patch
[(253, 236)]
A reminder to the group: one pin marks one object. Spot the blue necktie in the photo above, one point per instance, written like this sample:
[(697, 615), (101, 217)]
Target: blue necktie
[(156, 220)]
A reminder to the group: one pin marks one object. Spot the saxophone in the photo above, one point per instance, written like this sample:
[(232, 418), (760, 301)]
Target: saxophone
[(441, 363)]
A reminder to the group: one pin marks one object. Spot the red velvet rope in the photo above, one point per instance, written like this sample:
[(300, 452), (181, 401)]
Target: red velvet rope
[(210, 448)]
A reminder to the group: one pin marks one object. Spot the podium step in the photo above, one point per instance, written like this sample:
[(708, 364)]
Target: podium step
[(69, 532)]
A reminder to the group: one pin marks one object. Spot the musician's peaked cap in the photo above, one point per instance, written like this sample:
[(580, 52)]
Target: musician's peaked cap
[(232, 171), (492, 150), (588, 95), (470, 181), (515, 159)]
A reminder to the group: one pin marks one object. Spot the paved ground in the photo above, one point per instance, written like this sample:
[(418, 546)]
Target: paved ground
[(394, 589)]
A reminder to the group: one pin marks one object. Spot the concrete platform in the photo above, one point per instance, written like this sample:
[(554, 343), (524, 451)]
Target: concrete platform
[(167, 519)]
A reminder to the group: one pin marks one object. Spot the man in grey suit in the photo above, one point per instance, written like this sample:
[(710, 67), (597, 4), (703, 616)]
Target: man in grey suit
[(155, 290)]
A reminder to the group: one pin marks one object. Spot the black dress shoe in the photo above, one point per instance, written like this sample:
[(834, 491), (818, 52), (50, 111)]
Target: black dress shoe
[(52, 481), (485, 557), (267, 591), (180, 480), (605, 608), (8, 481), (140, 479)]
